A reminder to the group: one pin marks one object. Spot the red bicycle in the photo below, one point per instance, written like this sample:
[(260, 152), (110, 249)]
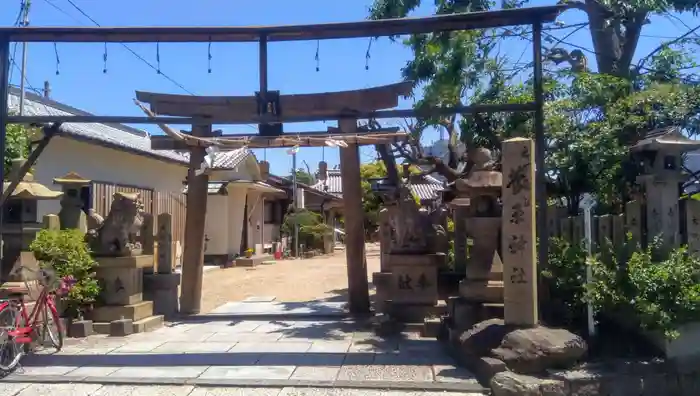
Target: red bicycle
[(20, 329)]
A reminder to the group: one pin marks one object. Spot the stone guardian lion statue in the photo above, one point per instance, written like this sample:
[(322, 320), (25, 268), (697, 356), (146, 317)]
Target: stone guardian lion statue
[(116, 235)]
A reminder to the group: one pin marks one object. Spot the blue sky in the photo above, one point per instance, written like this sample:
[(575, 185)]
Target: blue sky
[(292, 67)]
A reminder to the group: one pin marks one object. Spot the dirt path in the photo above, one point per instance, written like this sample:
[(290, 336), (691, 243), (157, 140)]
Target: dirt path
[(322, 277)]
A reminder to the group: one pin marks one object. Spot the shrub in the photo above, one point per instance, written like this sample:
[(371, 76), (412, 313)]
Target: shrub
[(67, 253), (662, 296)]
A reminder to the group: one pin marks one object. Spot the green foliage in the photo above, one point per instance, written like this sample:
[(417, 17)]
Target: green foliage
[(371, 203), (16, 144), (66, 252), (311, 227), (303, 177), (661, 295)]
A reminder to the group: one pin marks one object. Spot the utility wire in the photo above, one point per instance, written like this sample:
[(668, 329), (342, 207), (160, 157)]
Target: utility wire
[(142, 59)]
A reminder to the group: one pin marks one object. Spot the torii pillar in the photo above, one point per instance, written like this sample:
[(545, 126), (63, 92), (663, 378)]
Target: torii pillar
[(358, 287), (193, 254)]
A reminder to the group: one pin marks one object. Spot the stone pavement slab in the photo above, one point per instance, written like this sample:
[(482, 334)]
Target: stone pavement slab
[(27, 389), (253, 353), (275, 308)]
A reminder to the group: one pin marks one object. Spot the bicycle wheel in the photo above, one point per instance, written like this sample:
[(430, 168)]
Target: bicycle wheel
[(51, 327), (10, 351)]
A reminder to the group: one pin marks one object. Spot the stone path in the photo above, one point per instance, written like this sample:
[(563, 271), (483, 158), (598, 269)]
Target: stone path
[(25, 389), (235, 353)]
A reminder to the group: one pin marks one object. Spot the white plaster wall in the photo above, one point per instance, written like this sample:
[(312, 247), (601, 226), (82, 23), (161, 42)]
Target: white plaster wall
[(256, 206), (90, 161), (236, 202), (272, 232), (216, 227)]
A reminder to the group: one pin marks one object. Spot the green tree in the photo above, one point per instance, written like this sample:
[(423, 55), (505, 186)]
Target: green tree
[(302, 176), (16, 145)]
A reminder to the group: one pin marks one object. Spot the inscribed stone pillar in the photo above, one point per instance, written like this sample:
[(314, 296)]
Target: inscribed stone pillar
[(147, 234), (692, 213), (358, 285), (165, 241), (384, 237), (193, 256), (633, 222), (519, 254), (460, 237)]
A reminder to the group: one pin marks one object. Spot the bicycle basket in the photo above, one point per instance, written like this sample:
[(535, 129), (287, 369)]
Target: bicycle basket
[(38, 279)]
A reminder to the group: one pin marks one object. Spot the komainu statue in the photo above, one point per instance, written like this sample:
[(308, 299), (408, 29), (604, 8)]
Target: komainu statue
[(410, 226), (116, 235)]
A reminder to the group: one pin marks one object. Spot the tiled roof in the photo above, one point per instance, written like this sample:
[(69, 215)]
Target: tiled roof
[(116, 136), (425, 189)]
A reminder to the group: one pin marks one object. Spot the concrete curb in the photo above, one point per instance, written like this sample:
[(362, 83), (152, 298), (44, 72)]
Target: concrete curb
[(262, 383)]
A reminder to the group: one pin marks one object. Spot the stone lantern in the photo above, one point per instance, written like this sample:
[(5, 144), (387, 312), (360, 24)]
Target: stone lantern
[(480, 214), (72, 214), (660, 154), (21, 221)]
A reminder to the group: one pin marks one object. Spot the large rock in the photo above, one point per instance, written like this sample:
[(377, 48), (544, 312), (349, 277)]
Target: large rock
[(532, 351), (525, 351), (512, 384)]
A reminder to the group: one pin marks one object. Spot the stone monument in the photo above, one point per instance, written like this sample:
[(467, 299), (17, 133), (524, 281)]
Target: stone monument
[(162, 287), (120, 269), (407, 289), (519, 250)]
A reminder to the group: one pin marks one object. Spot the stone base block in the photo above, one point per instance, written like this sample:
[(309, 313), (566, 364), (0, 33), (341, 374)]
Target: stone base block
[(437, 260), (148, 324), (80, 329), (482, 291), (431, 327), (414, 313), (162, 290), (252, 261), (121, 278), (108, 313), (121, 327)]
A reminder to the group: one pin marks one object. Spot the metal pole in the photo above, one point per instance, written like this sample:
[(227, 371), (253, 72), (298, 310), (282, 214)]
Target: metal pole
[(23, 73), (588, 224), (541, 182), (4, 91), (295, 203)]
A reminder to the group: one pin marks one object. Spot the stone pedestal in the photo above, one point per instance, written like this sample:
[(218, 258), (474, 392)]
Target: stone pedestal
[(162, 290), (121, 280), (407, 290)]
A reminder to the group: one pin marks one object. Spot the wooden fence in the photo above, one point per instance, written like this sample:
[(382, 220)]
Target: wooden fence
[(676, 224), (155, 202)]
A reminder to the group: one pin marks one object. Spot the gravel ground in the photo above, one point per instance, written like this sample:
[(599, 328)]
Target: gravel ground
[(323, 277)]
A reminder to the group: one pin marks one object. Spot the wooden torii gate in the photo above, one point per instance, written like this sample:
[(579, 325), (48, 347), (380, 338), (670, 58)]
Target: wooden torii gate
[(270, 110), (250, 109)]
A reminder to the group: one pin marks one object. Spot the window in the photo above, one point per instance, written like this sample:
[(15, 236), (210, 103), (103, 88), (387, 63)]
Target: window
[(270, 212)]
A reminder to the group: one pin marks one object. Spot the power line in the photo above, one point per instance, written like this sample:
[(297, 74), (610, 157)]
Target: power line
[(139, 57)]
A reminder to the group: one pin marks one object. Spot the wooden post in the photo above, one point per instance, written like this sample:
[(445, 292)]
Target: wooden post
[(518, 233), (193, 256), (358, 286)]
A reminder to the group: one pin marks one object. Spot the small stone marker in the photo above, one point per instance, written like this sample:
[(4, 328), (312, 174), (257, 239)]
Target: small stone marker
[(692, 212), (519, 254), (51, 222), (164, 263)]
